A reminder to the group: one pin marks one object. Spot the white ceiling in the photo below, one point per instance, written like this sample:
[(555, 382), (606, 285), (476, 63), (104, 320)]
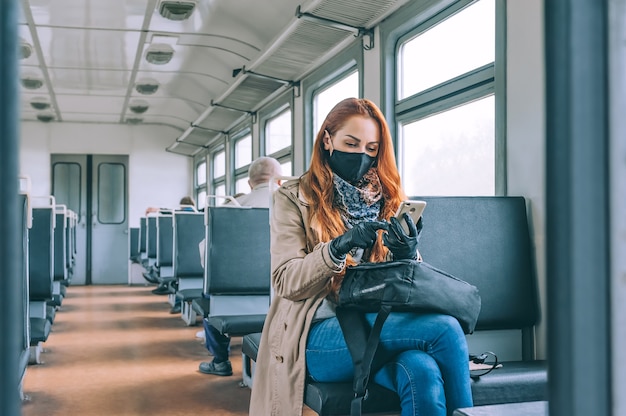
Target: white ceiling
[(90, 54)]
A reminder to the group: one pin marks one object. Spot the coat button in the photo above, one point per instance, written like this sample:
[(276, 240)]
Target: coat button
[(285, 324), (279, 358)]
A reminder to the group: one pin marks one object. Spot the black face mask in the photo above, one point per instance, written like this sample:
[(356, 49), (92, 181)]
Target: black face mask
[(350, 166)]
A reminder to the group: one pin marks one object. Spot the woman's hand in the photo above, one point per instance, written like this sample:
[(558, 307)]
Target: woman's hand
[(401, 245), (362, 235)]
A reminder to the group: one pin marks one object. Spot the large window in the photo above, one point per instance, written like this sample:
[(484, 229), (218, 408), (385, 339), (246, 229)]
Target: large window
[(278, 140), (242, 150), (219, 173), (442, 53), (446, 103), (326, 99), (278, 132), (201, 184), (446, 159)]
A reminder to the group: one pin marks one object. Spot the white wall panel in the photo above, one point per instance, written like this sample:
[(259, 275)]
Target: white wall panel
[(156, 177)]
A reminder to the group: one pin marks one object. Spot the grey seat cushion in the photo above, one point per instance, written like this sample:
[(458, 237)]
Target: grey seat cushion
[(238, 325)]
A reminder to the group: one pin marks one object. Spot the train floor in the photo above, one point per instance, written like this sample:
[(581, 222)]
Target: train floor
[(116, 350)]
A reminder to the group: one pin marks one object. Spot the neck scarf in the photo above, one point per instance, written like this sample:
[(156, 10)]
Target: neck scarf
[(361, 201)]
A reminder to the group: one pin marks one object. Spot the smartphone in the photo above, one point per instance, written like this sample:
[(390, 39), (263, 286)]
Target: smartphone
[(413, 208)]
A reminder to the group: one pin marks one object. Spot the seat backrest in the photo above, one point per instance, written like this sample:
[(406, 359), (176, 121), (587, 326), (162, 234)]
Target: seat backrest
[(69, 240), (134, 242), (143, 234), (41, 254), (151, 237), (165, 240), (23, 318), (60, 245), (486, 242), (237, 251), (188, 232)]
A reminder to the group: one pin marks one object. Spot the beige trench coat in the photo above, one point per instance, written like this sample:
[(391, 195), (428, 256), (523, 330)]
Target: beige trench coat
[(301, 268)]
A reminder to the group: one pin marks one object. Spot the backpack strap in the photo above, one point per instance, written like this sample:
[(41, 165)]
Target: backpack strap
[(362, 347)]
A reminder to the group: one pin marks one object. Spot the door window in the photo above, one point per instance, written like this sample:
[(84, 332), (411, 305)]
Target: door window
[(111, 193)]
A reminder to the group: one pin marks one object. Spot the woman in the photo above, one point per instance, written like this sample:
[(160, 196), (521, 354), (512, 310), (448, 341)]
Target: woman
[(340, 213)]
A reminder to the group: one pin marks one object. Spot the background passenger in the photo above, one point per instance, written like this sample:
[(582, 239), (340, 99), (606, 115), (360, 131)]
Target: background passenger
[(260, 172), (329, 218)]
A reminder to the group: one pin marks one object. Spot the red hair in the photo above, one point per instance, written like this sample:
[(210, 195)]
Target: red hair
[(318, 187)]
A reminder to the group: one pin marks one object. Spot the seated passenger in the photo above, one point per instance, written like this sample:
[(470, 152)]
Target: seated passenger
[(260, 173), (331, 217)]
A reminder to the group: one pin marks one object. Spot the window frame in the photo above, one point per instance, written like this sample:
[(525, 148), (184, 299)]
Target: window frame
[(334, 70), (283, 103), (460, 90), (200, 187)]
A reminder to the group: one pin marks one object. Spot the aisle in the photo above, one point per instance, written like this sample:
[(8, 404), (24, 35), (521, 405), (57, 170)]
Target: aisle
[(116, 350)]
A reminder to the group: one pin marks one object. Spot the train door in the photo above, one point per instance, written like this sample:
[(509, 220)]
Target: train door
[(96, 188)]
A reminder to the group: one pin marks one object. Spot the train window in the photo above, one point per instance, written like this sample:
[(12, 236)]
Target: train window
[(201, 199), (243, 151), (201, 183), (457, 45), (219, 164), (286, 168), (111, 193), (201, 173), (278, 132), (241, 185), (219, 173), (447, 160), (325, 100), (220, 190), (446, 104)]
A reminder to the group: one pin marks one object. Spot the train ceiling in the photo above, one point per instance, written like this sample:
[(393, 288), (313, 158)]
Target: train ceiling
[(200, 66)]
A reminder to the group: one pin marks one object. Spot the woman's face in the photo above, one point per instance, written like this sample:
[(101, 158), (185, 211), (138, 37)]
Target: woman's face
[(358, 135)]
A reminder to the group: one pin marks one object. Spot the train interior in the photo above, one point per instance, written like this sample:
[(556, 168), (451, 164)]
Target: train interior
[(130, 104)]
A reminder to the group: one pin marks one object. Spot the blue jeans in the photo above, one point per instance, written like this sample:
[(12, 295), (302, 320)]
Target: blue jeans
[(426, 356), (218, 344)]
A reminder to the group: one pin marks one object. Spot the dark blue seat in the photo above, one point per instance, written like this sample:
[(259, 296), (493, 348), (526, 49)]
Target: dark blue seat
[(236, 289), (40, 277), (186, 266)]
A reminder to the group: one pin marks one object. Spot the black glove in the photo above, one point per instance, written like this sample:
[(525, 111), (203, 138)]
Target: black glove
[(401, 245), (362, 235)]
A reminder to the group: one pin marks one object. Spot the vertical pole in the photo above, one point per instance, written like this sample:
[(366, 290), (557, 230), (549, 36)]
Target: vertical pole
[(10, 297), (577, 197)]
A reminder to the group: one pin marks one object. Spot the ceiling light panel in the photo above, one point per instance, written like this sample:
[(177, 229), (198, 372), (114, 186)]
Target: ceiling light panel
[(139, 106), (176, 10), (159, 54), (45, 117), (40, 103), (147, 86)]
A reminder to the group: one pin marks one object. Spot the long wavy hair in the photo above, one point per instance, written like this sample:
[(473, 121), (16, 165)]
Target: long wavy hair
[(318, 187)]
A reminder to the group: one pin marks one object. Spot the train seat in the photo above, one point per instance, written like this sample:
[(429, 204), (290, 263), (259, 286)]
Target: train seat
[(40, 278), (485, 241), (186, 267), (236, 291)]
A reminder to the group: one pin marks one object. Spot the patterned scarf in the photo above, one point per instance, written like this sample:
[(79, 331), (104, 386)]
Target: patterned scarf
[(359, 202)]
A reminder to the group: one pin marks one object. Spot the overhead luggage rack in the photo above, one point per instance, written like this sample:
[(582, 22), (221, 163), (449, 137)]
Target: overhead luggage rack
[(316, 31)]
